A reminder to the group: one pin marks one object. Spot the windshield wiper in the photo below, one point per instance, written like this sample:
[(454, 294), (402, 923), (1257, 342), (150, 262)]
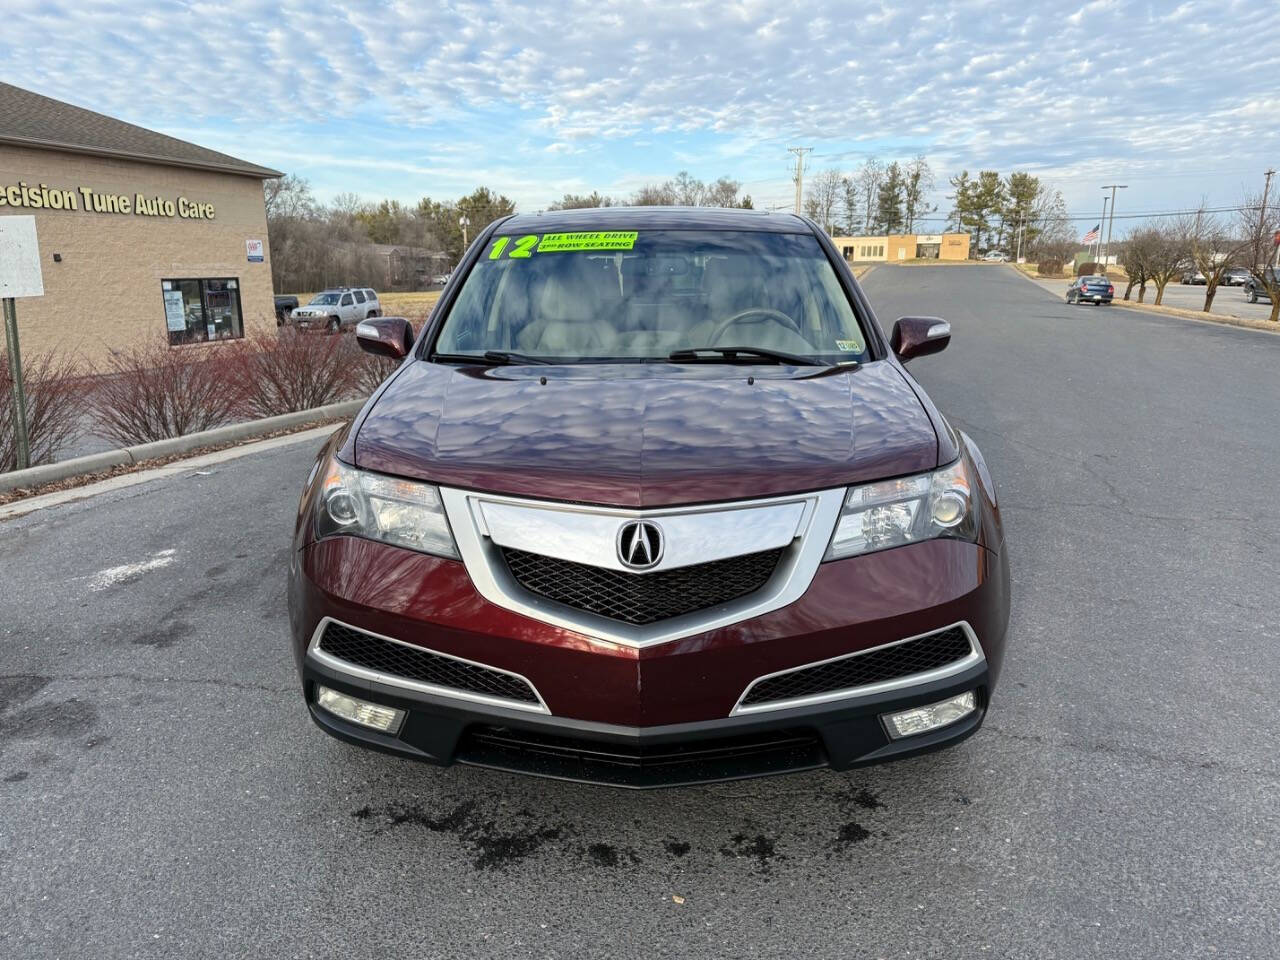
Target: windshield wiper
[(696, 354), (495, 358), (844, 366)]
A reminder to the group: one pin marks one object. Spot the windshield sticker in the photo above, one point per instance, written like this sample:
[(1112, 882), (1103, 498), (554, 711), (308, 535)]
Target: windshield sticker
[(527, 246), (849, 346)]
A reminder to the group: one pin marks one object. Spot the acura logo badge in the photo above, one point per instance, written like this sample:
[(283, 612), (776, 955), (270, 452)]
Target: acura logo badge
[(640, 544)]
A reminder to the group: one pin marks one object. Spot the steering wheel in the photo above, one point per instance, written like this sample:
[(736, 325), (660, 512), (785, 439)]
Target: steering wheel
[(763, 313)]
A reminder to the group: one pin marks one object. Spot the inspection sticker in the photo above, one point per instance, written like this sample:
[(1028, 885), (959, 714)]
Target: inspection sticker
[(849, 346), (517, 248)]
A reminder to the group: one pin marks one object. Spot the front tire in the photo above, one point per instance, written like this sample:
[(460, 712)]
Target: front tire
[(334, 326), (1253, 296)]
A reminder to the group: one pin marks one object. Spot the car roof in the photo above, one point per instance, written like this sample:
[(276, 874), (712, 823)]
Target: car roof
[(654, 218)]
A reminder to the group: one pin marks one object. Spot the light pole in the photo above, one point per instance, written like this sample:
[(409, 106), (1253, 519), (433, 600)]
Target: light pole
[(463, 222), (1113, 187), (1101, 223)]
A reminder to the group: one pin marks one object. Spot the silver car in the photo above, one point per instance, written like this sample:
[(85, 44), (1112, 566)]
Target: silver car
[(334, 309)]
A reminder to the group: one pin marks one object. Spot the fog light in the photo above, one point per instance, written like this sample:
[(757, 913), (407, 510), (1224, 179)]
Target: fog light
[(386, 719), (923, 719)]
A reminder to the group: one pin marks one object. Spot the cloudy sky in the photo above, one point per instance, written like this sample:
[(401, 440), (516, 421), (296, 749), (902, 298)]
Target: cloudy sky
[(400, 99)]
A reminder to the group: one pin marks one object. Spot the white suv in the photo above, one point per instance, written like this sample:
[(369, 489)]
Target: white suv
[(335, 309)]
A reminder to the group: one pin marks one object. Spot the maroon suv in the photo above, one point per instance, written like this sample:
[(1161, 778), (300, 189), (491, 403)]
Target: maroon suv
[(651, 500)]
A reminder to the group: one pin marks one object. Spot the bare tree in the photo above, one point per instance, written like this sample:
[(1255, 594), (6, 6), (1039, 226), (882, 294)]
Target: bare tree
[(918, 184), (1166, 256), (869, 176), (1259, 225), (1212, 248), (1136, 259), (288, 196), (688, 189), (722, 193), (654, 195), (849, 201), (823, 197), (579, 201)]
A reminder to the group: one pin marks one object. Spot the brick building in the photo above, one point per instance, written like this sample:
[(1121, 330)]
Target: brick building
[(141, 235), (912, 246)]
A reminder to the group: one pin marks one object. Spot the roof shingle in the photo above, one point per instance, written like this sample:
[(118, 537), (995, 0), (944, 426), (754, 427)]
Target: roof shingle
[(29, 119)]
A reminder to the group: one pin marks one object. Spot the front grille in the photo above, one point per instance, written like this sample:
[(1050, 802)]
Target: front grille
[(637, 764), (641, 598), (915, 656), (385, 656)]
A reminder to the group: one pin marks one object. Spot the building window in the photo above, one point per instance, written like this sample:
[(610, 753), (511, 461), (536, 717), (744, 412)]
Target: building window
[(196, 311)]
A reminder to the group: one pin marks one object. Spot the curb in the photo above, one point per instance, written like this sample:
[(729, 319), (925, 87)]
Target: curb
[(95, 462)]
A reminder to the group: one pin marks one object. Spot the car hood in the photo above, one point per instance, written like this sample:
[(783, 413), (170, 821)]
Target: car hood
[(645, 435)]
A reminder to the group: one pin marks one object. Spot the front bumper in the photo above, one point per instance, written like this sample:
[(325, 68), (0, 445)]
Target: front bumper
[(662, 715), (840, 734)]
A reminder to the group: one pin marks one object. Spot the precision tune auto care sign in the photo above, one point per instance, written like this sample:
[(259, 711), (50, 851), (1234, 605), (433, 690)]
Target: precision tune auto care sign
[(41, 196)]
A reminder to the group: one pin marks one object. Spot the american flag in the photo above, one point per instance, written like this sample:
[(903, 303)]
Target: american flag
[(1092, 235)]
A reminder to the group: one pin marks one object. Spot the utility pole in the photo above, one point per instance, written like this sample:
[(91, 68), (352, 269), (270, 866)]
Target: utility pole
[(462, 222), (799, 152), (1113, 187), (1262, 214)]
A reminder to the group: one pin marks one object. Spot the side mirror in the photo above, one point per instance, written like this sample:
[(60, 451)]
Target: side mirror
[(385, 336), (919, 336)]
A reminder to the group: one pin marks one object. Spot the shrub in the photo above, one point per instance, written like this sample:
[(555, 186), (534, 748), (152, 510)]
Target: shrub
[(55, 405), (1049, 267), (152, 392), (286, 370), (1089, 269), (368, 372)]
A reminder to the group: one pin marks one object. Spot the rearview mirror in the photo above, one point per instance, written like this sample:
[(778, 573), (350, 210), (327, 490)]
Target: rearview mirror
[(919, 336), (385, 336)]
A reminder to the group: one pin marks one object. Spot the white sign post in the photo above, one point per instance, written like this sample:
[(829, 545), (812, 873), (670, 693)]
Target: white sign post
[(19, 277)]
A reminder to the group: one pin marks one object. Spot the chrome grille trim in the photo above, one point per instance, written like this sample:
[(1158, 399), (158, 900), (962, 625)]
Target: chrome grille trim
[(866, 690), (314, 652), (800, 561)]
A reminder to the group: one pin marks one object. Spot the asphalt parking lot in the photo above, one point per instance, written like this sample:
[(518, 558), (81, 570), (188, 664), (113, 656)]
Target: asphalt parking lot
[(165, 795)]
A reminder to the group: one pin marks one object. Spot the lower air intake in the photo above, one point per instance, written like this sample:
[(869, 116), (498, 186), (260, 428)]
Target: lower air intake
[(423, 666)]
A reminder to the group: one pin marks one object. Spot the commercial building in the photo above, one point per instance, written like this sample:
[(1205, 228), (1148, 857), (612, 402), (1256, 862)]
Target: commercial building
[(142, 236), (911, 246)]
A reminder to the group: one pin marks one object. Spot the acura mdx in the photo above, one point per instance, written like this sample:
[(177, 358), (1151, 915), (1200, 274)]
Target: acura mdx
[(650, 500)]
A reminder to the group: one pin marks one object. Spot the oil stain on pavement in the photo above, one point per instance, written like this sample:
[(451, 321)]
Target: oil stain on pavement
[(498, 841)]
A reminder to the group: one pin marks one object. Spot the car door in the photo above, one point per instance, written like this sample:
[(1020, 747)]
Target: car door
[(347, 308)]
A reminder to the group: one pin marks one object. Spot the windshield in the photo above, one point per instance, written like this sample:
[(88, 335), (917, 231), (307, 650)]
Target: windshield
[(644, 294), (324, 299)]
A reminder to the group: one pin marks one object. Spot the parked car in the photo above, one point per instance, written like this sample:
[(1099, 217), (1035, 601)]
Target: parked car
[(332, 310), (285, 305), (654, 501), (441, 279), (1235, 277), (1255, 291), (1193, 276), (996, 256), (1091, 289)]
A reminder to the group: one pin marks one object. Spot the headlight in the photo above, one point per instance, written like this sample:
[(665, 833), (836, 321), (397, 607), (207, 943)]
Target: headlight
[(404, 513), (890, 513)]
